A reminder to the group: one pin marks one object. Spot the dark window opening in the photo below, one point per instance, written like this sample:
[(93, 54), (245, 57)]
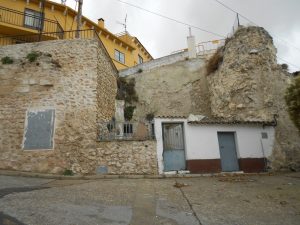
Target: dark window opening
[(128, 128)]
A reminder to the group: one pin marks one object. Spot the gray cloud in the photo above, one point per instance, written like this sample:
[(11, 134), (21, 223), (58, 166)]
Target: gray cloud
[(161, 36)]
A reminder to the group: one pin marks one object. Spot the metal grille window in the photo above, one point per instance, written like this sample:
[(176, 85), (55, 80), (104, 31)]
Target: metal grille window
[(128, 129), (141, 60), (33, 19), (119, 56)]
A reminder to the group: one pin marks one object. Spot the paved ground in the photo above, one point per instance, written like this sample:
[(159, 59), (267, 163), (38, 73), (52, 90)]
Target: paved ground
[(207, 201)]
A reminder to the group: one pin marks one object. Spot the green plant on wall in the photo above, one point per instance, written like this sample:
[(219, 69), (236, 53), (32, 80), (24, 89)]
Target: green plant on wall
[(128, 112), (32, 56), (292, 98), (126, 90), (68, 172), (7, 60)]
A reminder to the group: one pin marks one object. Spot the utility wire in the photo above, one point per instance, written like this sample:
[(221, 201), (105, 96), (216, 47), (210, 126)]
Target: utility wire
[(204, 30), (293, 65), (246, 18), (172, 19)]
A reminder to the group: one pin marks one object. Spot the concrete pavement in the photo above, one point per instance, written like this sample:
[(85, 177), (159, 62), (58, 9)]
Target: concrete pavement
[(206, 200)]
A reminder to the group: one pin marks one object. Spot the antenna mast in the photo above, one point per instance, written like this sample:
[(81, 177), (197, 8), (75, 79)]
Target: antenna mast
[(124, 24)]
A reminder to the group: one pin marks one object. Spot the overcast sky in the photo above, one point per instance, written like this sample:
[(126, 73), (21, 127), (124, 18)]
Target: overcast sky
[(161, 36)]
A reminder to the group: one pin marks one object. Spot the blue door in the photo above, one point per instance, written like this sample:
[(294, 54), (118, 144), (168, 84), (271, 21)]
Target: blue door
[(229, 160), (173, 141)]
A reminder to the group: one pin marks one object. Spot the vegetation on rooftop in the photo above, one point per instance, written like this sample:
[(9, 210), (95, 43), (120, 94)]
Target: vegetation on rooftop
[(214, 61), (7, 60), (32, 56)]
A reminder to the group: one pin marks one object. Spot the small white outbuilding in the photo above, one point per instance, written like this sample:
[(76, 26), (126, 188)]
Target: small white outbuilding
[(211, 145)]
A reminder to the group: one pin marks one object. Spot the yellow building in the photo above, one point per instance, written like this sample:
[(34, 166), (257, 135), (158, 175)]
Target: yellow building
[(31, 20)]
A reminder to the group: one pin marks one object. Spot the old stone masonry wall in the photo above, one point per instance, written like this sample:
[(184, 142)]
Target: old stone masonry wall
[(249, 85), (77, 80)]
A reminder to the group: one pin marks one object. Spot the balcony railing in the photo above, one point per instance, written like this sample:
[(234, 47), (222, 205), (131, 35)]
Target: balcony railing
[(112, 131), (19, 39), (71, 34), (28, 20)]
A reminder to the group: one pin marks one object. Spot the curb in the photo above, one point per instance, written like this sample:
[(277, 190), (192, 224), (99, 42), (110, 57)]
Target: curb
[(110, 176)]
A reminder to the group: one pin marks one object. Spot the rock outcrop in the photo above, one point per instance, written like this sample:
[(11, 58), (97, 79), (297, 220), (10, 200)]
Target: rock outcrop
[(250, 85)]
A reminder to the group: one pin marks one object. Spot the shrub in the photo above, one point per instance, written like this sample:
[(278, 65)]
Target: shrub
[(128, 112), (150, 117), (285, 66), (7, 60), (32, 56), (292, 98), (215, 61), (68, 172), (297, 73)]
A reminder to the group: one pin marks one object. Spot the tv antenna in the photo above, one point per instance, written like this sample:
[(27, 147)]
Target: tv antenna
[(124, 24)]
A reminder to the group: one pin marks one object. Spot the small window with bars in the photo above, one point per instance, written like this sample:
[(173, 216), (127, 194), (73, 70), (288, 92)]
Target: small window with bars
[(127, 129)]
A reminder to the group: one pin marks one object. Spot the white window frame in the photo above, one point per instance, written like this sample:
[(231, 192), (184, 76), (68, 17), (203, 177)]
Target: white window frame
[(33, 19), (119, 56), (141, 59)]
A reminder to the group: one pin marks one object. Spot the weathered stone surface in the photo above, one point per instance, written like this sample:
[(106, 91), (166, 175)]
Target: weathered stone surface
[(249, 85), (173, 90)]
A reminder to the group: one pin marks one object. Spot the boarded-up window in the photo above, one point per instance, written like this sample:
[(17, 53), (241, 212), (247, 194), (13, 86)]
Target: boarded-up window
[(39, 129)]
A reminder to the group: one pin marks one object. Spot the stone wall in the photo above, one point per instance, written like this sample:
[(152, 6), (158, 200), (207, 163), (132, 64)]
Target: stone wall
[(174, 90), (249, 85), (118, 157), (152, 64), (63, 77)]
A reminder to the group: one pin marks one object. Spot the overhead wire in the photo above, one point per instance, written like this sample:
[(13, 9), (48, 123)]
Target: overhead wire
[(251, 21), (205, 30), (171, 19), (275, 36)]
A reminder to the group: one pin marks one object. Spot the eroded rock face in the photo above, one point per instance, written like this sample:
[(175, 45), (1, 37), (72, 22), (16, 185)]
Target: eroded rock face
[(250, 85)]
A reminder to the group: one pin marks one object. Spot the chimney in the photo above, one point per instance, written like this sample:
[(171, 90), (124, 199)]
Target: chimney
[(191, 45), (101, 22)]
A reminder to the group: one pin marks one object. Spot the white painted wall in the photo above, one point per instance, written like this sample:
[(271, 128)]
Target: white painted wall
[(201, 141)]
